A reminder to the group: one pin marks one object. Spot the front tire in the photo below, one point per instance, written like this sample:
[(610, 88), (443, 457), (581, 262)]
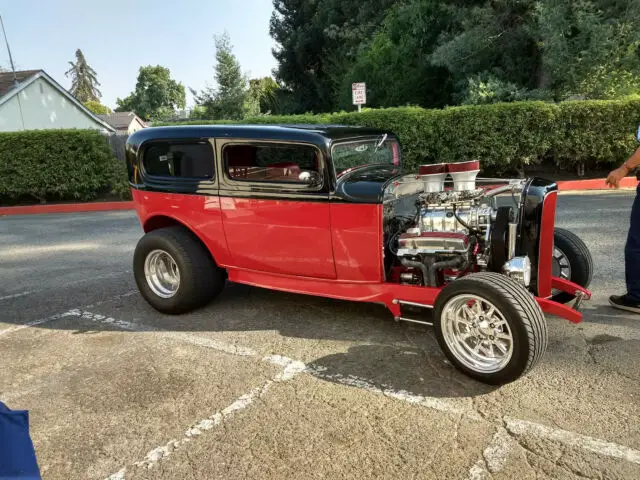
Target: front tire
[(571, 261), (174, 271), (490, 327)]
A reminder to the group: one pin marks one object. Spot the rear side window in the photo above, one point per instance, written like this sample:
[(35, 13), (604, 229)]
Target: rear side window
[(271, 163), (184, 160)]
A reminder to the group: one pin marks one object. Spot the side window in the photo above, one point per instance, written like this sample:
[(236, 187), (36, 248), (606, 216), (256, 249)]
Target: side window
[(272, 163), (186, 160)]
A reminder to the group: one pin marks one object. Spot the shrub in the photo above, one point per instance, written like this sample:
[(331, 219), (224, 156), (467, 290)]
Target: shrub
[(503, 136), (57, 165), (596, 132)]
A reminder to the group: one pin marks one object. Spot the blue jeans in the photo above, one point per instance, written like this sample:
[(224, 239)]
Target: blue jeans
[(632, 251)]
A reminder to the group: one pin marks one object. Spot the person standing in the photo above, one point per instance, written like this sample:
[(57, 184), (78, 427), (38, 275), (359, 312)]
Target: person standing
[(630, 301)]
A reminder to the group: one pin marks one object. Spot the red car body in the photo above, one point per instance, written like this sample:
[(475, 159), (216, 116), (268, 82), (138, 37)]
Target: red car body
[(283, 240)]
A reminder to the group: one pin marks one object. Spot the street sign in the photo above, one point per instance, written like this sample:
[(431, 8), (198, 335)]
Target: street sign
[(359, 94)]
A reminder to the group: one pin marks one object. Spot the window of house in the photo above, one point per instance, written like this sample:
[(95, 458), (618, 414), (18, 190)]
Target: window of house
[(272, 163), (186, 160)]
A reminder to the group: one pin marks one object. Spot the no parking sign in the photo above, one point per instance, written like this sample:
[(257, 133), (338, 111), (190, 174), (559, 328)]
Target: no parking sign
[(359, 94)]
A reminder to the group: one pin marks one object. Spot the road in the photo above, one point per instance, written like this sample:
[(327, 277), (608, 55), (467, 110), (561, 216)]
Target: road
[(263, 384)]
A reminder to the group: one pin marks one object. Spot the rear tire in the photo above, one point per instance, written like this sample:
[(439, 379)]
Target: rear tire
[(490, 327), (569, 248), (174, 271)]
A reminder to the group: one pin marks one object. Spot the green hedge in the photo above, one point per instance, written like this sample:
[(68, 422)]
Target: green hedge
[(503, 136), (58, 165)]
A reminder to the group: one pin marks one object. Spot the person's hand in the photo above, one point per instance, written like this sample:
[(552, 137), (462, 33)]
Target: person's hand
[(613, 180)]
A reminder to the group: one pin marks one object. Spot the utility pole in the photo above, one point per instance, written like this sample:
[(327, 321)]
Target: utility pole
[(13, 69)]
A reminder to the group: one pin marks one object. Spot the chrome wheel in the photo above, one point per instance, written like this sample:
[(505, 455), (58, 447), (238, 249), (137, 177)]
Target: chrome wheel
[(477, 333), (162, 274), (561, 267)]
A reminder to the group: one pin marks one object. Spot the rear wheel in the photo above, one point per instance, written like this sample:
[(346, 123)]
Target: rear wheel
[(490, 327), (571, 261), (174, 271)]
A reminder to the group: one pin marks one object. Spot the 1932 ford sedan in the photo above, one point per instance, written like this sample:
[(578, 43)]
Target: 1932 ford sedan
[(328, 210)]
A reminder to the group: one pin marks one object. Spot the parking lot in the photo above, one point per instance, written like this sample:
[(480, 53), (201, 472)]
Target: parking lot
[(269, 385)]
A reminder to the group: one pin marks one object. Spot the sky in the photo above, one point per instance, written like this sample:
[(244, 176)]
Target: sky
[(119, 36)]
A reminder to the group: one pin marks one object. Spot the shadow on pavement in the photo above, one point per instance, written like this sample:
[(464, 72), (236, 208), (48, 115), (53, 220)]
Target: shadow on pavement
[(399, 369)]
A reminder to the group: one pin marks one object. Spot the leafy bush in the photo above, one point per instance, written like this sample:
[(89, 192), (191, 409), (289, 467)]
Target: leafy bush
[(503, 136), (596, 132), (57, 165)]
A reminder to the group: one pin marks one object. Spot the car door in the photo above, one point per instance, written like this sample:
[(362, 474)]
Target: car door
[(275, 208)]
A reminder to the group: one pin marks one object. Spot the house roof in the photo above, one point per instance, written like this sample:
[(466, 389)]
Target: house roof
[(120, 120), (26, 77), (6, 79)]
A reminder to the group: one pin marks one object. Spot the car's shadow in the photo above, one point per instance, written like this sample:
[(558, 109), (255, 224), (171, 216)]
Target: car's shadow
[(381, 352), (384, 353)]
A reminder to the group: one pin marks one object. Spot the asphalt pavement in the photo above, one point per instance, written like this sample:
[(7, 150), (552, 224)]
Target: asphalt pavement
[(263, 384)]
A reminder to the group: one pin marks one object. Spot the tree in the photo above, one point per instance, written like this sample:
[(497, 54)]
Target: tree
[(317, 43), (435, 53), (84, 82), (396, 63), (262, 96), (590, 49), (227, 100), (97, 107), (156, 94)]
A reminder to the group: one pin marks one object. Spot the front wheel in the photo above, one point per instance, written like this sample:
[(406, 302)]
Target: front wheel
[(490, 327), (571, 261)]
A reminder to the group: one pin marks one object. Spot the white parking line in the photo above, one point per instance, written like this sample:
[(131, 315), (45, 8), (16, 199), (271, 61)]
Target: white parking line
[(494, 456), (183, 337), (290, 368), (67, 284), (15, 295), (40, 321), (572, 439), (69, 313), (434, 403)]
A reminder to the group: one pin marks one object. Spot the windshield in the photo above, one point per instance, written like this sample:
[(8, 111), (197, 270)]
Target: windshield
[(382, 150)]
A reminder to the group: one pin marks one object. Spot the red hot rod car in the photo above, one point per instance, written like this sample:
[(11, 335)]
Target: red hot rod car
[(328, 210)]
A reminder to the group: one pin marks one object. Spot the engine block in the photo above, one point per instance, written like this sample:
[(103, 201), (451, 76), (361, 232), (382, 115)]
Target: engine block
[(453, 230), (455, 218)]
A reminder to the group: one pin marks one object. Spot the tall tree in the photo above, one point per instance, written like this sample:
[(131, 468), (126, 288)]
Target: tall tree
[(317, 42), (226, 100), (262, 95), (84, 81), (590, 48), (441, 52), (396, 62), (156, 94)]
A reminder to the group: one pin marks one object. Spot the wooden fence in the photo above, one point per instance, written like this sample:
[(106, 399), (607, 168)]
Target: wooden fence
[(117, 143)]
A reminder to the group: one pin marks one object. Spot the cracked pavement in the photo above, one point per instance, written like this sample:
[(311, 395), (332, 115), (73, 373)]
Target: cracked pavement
[(264, 384)]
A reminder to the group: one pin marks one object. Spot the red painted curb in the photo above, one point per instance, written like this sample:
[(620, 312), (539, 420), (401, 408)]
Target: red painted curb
[(594, 184), (66, 208)]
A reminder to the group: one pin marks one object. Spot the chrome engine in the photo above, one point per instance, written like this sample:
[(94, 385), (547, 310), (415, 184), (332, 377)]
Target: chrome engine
[(451, 231)]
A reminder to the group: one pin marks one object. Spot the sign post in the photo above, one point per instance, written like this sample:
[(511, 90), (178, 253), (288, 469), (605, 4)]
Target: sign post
[(359, 94)]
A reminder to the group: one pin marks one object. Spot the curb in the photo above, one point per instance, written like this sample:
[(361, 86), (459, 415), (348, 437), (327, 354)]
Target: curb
[(67, 208), (563, 186), (594, 184)]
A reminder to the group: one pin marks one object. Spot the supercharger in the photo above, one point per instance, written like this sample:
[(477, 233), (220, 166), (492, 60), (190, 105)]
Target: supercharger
[(455, 230)]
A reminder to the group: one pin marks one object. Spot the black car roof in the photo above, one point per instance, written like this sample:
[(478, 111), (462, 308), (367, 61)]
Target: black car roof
[(305, 133)]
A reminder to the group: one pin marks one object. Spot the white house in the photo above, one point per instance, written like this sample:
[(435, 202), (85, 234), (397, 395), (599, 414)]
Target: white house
[(125, 123), (32, 100)]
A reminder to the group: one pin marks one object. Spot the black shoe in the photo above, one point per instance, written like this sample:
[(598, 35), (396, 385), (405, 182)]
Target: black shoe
[(625, 302)]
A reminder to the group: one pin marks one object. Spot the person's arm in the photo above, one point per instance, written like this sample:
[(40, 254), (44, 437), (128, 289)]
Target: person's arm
[(613, 180)]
